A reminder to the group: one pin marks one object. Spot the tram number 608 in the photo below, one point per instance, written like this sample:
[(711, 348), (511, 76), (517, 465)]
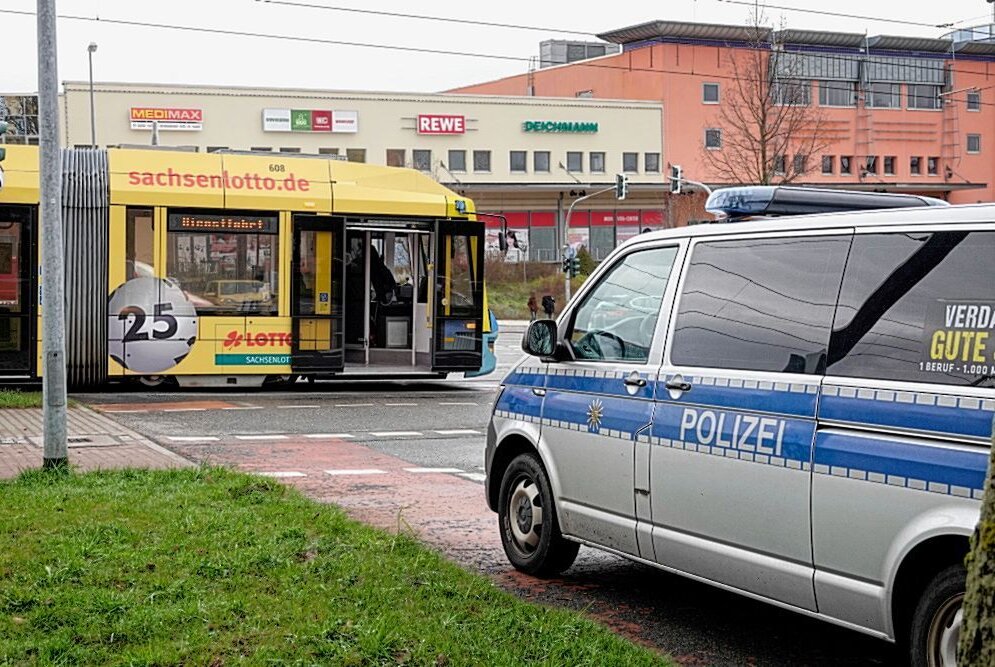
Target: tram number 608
[(160, 316), (276, 167)]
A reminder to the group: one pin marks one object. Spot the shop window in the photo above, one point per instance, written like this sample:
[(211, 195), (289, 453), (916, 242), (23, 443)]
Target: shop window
[(889, 165), (457, 161), (226, 264), (974, 143), (651, 163), (355, 154), (139, 244), (575, 161), (828, 165), (421, 160), (710, 93), (713, 139), (597, 160), (630, 162), (915, 165), (518, 161), (482, 161), (540, 161), (395, 157)]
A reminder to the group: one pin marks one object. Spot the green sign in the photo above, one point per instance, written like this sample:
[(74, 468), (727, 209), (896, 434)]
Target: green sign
[(568, 126), (300, 120), (252, 359)]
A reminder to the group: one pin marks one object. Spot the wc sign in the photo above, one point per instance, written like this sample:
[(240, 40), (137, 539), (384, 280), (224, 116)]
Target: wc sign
[(440, 124)]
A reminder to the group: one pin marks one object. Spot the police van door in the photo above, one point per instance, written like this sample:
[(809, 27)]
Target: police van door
[(598, 403), (732, 437), (458, 324), (316, 295)]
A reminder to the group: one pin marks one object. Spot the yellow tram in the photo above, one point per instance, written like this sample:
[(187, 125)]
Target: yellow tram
[(235, 269)]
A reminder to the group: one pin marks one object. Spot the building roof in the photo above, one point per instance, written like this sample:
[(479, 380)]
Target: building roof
[(685, 30), (901, 43), (976, 48), (821, 38)]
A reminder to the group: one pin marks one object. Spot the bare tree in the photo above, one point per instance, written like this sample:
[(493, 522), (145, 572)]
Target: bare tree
[(770, 131)]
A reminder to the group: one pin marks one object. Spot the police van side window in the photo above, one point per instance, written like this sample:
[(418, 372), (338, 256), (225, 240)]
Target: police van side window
[(761, 304), (616, 320), (917, 307)]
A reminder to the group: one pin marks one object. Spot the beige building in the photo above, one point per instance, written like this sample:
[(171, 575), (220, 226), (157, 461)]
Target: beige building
[(524, 157)]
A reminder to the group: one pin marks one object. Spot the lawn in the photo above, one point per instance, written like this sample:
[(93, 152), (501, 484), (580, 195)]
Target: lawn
[(509, 287), (14, 398), (209, 566)]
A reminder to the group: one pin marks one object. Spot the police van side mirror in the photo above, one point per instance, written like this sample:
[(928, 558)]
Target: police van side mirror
[(540, 338)]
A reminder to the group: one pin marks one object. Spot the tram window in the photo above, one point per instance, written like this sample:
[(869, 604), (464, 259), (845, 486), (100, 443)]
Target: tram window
[(225, 272), (139, 242)]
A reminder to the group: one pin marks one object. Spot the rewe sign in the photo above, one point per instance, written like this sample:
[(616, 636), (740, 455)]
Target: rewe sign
[(440, 124)]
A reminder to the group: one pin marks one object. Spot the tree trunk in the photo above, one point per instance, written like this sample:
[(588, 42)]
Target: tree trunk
[(977, 635)]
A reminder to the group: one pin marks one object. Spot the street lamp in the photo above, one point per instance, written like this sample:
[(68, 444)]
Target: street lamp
[(93, 121)]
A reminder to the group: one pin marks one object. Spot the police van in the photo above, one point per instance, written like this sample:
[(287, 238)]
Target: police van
[(794, 407)]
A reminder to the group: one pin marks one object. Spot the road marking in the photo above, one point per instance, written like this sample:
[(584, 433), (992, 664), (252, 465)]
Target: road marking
[(261, 436), (431, 470), (297, 407), (244, 407), (329, 435), (355, 405), (192, 438), (458, 403), (184, 410), (474, 476), (400, 404), (282, 474), (355, 471), (121, 412), (391, 434), (459, 431)]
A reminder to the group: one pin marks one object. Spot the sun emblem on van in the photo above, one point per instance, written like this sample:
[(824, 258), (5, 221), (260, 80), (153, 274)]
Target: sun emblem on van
[(595, 411)]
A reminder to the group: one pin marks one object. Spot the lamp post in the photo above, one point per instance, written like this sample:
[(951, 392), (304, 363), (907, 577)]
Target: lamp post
[(93, 121)]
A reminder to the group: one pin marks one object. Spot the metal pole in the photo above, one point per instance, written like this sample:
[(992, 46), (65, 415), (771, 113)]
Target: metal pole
[(53, 269), (93, 122), (566, 225)]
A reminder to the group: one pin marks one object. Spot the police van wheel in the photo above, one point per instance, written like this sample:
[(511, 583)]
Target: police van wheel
[(530, 532), (937, 619)]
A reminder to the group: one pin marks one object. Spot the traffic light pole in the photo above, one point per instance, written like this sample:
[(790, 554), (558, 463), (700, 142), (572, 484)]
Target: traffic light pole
[(563, 236)]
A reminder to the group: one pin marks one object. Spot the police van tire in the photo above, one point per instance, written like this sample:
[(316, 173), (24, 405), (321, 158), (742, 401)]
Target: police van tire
[(530, 530), (936, 621)]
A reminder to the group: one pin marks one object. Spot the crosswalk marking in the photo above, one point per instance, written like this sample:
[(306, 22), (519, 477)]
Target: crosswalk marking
[(355, 471), (459, 431), (431, 470), (282, 474), (457, 403), (391, 434), (261, 436), (329, 435), (474, 476), (192, 438)]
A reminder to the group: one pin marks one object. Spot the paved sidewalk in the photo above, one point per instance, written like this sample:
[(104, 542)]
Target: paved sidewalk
[(95, 443)]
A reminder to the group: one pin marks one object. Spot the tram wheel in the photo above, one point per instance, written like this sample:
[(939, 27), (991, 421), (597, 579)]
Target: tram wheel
[(155, 381)]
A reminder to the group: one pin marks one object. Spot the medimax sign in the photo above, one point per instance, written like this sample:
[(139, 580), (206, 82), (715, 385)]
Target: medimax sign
[(560, 126)]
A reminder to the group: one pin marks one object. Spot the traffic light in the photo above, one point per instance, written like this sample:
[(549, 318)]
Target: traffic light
[(574, 266), (621, 186), (675, 179), (567, 263)]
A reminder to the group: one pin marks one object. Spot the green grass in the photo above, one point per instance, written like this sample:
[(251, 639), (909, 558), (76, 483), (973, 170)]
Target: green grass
[(209, 566), (508, 292), (14, 398)]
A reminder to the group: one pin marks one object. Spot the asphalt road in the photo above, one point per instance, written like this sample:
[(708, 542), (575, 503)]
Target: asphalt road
[(438, 427)]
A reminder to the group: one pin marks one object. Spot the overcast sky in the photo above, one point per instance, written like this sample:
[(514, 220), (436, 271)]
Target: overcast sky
[(129, 53)]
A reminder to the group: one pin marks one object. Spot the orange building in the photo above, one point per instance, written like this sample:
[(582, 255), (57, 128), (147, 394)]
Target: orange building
[(890, 113)]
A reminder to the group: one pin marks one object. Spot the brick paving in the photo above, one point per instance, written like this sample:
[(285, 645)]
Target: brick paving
[(95, 443)]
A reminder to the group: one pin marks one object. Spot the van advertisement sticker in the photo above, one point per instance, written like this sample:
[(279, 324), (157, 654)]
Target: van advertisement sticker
[(959, 338)]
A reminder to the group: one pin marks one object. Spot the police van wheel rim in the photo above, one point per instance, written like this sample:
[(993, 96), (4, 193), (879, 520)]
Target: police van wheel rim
[(944, 632), (525, 514)]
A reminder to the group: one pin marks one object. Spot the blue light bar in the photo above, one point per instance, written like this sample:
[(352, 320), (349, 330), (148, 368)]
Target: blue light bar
[(776, 200)]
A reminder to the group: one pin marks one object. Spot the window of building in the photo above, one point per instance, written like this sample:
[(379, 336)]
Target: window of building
[(584, 94), (713, 138), (792, 92), (289, 149), (396, 157), (889, 165), (922, 96), (597, 162), (216, 149), (576, 52), (328, 151), (261, 149), (21, 114), (630, 162), (828, 164), (710, 93), (230, 271), (651, 163), (871, 164), (846, 164), (355, 154), (800, 163), (903, 302), (974, 143), (618, 316), (575, 161), (933, 166), (482, 161), (837, 93), (736, 294), (540, 162), (518, 160), (973, 100), (780, 164), (915, 165), (884, 95), (457, 161), (421, 159)]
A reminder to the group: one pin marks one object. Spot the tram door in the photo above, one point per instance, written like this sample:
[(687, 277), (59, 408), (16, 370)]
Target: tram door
[(17, 303), (459, 296), (317, 304)]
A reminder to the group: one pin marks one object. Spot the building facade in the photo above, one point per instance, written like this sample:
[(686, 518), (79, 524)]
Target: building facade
[(526, 159), (903, 114)]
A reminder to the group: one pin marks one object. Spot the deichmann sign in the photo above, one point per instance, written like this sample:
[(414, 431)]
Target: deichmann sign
[(167, 118), (569, 126), (441, 124), (310, 120)]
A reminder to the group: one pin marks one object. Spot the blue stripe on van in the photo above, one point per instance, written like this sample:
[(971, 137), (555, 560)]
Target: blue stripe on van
[(587, 384), (620, 414), (798, 403), (521, 401), (911, 416), (927, 463), (532, 379)]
